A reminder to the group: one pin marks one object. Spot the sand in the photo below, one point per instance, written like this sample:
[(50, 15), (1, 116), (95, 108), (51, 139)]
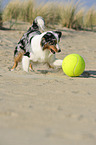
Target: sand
[(47, 107)]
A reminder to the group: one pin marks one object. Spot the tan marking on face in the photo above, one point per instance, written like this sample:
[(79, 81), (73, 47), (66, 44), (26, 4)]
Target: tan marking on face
[(48, 46), (53, 47)]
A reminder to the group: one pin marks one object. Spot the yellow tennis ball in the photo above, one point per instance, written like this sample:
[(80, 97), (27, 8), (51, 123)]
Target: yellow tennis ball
[(73, 65)]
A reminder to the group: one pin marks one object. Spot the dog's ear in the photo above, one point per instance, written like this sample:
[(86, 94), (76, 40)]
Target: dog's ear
[(58, 33)]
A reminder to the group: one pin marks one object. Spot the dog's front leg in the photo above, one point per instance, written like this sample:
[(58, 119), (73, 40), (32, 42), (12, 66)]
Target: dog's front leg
[(57, 63), (25, 63)]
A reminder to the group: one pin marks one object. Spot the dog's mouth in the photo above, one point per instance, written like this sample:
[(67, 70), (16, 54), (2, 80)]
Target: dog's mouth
[(54, 50), (51, 48)]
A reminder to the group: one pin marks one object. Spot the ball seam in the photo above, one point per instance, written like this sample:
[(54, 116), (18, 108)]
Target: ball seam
[(76, 66)]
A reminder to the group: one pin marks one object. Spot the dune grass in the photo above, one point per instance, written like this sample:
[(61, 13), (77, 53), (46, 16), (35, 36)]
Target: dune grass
[(0, 13), (19, 10), (0, 19), (50, 12), (90, 18), (70, 14)]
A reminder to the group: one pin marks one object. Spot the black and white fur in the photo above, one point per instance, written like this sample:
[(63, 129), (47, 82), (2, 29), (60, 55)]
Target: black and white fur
[(42, 49), (37, 27)]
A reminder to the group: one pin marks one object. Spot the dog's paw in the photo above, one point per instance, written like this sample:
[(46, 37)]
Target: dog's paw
[(31, 69), (10, 69)]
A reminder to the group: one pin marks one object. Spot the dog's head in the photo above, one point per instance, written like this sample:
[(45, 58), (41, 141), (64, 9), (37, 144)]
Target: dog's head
[(50, 41)]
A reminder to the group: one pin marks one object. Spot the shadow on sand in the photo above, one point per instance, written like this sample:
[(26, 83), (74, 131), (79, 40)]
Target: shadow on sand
[(89, 74), (85, 74), (3, 28)]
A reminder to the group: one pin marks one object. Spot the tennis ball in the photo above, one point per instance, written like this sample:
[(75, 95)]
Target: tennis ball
[(73, 65)]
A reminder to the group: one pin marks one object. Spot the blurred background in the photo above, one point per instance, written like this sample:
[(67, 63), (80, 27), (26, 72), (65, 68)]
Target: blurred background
[(87, 3), (75, 14)]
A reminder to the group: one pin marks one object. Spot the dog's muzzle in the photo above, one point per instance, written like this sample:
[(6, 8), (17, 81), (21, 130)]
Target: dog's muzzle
[(59, 50), (54, 49)]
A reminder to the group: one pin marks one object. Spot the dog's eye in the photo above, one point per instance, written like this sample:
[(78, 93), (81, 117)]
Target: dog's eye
[(53, 42)]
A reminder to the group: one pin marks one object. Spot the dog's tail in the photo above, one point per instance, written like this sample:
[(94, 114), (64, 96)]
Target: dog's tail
[(25, 63)]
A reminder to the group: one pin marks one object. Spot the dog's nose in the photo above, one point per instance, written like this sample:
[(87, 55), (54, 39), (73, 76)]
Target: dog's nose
[(59, 50)]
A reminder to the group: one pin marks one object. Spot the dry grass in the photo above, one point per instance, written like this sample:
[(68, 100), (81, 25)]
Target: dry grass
[(0, 13), (90, 18), (0, 20), (19, 10), (70, 14), (27, 11), (50, 12)]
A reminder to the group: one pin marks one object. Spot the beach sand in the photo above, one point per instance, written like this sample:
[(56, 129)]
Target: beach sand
[(48, 107)]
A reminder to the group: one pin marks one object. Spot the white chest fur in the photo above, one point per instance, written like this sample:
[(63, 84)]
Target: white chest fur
[(37, 54)]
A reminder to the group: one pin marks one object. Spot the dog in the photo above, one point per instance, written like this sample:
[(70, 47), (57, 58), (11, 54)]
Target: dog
[(37, 27), (42, 49)]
